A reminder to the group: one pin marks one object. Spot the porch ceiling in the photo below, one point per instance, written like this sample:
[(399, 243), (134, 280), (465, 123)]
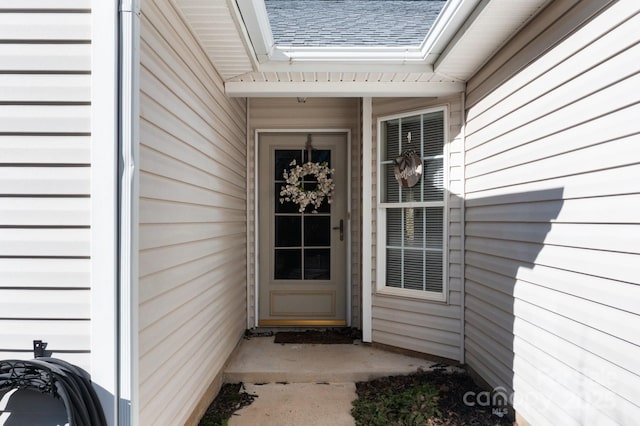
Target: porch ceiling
[(240, 47)]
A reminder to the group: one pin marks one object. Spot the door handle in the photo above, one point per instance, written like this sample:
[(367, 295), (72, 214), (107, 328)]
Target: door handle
[(341, 228)]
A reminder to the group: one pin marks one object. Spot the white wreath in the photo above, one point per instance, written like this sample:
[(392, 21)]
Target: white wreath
[(295, 192)]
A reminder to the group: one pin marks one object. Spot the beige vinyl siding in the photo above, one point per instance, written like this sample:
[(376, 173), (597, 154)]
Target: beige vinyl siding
[(421, 325), (315, 113), (552, 195), (192, 269), (45, 105)]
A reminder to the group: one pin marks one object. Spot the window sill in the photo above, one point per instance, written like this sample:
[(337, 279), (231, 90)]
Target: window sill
[(404, 293)]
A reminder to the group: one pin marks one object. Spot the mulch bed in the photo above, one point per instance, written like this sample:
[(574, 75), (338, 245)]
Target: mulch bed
[(451, 388), (322, 337), (231, 398)]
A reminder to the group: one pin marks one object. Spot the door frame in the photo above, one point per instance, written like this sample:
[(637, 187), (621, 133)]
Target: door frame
[(256, 230)]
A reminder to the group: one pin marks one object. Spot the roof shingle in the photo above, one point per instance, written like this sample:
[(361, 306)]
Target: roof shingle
[(351, 22)]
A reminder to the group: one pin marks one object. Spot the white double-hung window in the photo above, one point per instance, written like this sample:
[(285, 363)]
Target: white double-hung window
[(412, 164)]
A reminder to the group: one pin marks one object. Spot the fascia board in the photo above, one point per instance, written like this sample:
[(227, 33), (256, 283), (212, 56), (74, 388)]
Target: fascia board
[(345, 60), (345, 66), (352, 54), (451, 18), (461, 34), (256, 20), (342, 89)]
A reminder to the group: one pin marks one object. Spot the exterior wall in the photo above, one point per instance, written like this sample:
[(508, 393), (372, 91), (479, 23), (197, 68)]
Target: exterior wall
[(420, 325), (552, 198), (192, 270), (45, 125), (315, 113)]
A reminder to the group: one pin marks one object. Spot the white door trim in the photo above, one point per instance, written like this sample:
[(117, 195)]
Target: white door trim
[(256, 242)]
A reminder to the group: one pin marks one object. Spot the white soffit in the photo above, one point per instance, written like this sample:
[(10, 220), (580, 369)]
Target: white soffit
[(492, 23), (349, 83), (213, 24)]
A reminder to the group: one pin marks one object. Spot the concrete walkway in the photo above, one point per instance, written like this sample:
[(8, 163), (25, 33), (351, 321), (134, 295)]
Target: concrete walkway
[(310, 385), (294, 404)]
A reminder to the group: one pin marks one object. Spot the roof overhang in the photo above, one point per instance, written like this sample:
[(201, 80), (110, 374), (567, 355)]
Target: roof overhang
[(236, 35), (488, 27)]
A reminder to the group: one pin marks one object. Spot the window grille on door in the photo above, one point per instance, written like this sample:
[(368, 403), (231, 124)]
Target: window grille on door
[(302, 241)]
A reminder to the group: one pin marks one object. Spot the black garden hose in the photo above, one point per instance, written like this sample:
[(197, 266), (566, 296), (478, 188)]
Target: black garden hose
[(61, 380)]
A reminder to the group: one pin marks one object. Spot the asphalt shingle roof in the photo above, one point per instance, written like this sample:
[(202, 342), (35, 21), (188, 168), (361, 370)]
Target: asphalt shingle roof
[(351, 22)]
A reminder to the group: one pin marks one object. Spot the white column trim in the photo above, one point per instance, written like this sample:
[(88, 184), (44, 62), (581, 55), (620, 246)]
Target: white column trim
[(367, 170), (463, 196), (256, 232), (248, 216)]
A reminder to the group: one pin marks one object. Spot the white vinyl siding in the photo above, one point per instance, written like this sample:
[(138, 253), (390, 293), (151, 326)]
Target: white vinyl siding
[(552, 200), (45, 106), (315, 113), (427, 326), (192, 231)]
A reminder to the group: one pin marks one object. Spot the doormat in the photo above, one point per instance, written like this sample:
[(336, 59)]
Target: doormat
[(318, 337)]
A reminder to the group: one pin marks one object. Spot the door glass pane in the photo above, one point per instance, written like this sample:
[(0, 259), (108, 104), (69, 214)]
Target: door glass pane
[(285, 207), (288, 231), (288, 264), (283, 158), (319, 156), (317, 264), (325, 207), (317, 231)]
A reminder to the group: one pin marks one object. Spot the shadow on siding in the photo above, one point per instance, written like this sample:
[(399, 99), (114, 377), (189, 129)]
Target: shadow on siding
[(503, 235)]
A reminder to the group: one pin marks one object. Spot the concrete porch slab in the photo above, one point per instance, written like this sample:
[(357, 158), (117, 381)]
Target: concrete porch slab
[(295, 404), (260, 360)]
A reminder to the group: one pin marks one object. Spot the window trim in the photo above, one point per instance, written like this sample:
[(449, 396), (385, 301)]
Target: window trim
[(381, 215)]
